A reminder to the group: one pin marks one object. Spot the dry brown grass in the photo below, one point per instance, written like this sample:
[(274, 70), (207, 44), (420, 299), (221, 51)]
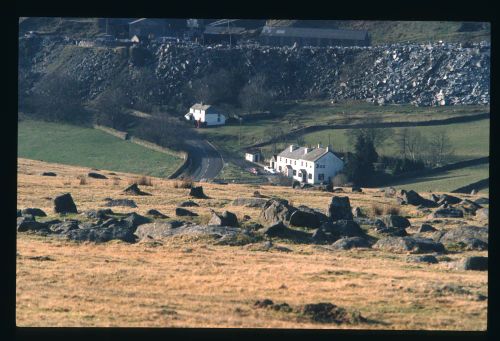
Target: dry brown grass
[(189, 283)]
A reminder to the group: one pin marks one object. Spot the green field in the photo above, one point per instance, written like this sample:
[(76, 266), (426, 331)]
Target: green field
[(289, 115), (446, 181), (470, 140), (79, 146)]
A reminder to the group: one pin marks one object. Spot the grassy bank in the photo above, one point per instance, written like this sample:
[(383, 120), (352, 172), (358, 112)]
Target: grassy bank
[(74, 145)]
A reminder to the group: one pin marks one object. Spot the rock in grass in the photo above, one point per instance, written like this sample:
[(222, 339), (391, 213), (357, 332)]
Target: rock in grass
[(250, 202), (281, 231), (408, 245), (25, 224), (197, 192), (225, 219), (156, 214), (473, 263), (350, 243), (426, 228), (102, 234), (339, 208), (304, 219), (64, 204), (35, 212), (96, 175), (396, 221), (49, 174), (422, 259), (182, 212), (277, 210), (447, 213), (157, 229), (483, 214), (462, 233), (188, 203), (134, 190), (120, 202)]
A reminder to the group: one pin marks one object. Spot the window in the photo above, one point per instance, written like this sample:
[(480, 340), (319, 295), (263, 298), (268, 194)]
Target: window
[(294, 172), (218, 117), (310, 176), (295, 163), (302, 163), (321, 177), (317, 165), (279, 168)]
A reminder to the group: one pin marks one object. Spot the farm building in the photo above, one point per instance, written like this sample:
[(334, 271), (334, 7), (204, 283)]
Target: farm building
[(222, 34), (205, 115), (309, 165), (253, 155), (155, 28), (283, 36)]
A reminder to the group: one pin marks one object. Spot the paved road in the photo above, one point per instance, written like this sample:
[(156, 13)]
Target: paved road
[(204, 161)]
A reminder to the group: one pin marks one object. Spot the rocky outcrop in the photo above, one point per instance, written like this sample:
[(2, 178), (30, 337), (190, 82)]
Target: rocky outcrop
[(225, 219), (276, 210), (64, 204), (339, 208), (408, 245)]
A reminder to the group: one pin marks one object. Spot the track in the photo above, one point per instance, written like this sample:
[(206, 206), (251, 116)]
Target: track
[(204, 161)]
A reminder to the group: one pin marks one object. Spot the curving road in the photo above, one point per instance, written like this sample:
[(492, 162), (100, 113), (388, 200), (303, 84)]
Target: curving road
[(204, 161)]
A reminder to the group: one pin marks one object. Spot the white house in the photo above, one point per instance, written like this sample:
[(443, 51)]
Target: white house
[(205, 115), (253, 155), (310, 165)]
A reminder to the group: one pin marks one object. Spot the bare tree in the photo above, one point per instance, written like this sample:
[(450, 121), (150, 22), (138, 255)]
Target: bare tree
[(377, 136), (255, 95), (440, 147), (400, 138), (109, 108), (416, 144)]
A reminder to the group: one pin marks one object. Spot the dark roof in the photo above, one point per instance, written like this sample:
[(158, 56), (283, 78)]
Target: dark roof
[(314, 33), (299, 153), (223, 30), (200, 106)]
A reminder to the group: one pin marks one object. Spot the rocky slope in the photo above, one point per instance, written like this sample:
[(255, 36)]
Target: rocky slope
[(431, 74)]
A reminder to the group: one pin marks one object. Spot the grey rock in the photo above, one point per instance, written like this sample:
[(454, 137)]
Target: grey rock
[(96, 175), (426, 228), (49, 174), (408, 245), (25, 224), (64, 204), (156, 214), (277, 210), (447, 213), (121, 202), (482, 201), (133, 220), (98, 214), (134, 190), (304, 219), (350, 243), (483, 214), (188, 203), (35, 212), (357, 213), (281, 231), (343, 228), (102, 234), (225, 219), (250, 202), (396, 221), (422, 259), (473, 263), (413, 198), (339, 208), (157, 229), (64, 227), (448, 199), (197, 192), (182, 212), (462, 233)]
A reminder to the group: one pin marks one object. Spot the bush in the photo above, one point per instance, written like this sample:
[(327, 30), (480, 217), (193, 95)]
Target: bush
[(376, 210), (340, 180), (392, 210)]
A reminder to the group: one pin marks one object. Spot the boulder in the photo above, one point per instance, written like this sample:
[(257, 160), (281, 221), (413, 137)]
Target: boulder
[(482, 201), (64, 227), (392, 231), (182, 212), (319, 236), (277, 210), (448, 199), (304, 219), (64, 204), (120, 202), (426, 228), (29, 224), (197, 192), (96, 175), (473, 263), (447, 213), (390, 192), (483, 214), (281, 231), (35, 212), (156, 214), (350, 243), (49, 174), (188, 203), (134, 190), (343, 228), (466, 237), (157, 229), (379, 223), (396, 221), (133, 220), (250, 202), (329, 313), (422, 259), (102, 234), (98, 214), (468, 206), (413, 198), (408, 245), (339, 208), (321, 216), (337, 190), (225, 219)]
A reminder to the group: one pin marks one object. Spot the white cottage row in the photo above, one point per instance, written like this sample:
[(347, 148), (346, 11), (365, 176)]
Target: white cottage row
[(309, 165)]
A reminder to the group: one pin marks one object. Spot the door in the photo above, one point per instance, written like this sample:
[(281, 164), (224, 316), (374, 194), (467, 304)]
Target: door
[(304, 176)]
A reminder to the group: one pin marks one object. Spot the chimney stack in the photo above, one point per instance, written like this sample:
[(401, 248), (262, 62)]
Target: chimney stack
[(306, 150), (319, 145), (292, 147), (329, 148)]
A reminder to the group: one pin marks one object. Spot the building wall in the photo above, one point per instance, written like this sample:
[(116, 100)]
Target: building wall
[(214, 119), (328, 165)]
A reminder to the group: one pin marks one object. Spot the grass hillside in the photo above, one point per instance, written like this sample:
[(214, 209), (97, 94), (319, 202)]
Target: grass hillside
[(74, 145), (193, 281)]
